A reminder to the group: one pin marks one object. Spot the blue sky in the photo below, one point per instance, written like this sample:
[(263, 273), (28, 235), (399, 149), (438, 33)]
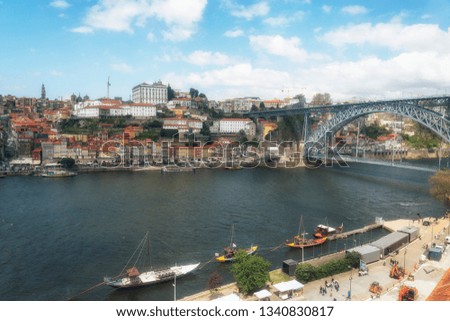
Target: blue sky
[(226, 48)]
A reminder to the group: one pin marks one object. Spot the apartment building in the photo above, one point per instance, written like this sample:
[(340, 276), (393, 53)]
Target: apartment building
[(155, 93)]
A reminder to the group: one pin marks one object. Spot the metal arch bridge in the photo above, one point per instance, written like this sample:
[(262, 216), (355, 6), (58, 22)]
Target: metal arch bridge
[(418, 109)]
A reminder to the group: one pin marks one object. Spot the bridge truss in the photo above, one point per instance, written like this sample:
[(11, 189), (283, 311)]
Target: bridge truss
[(435, 121), (422, 110)]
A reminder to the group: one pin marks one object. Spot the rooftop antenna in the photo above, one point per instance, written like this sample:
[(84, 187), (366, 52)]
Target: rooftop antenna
[(107, 88)]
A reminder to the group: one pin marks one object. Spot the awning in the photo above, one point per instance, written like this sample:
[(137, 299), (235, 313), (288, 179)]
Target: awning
[(229, 297), (262, 294), (292, 285)]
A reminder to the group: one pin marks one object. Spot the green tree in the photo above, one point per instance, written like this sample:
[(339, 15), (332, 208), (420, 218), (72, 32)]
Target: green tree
[(170, 93), (301, 100), (205, 131), (242, 137), (290, 128), (321, 99), (251, 272), (215, 280), (168, 133), (374, 131), (193, 92), (153, 124), (67, 162), (423, 138)]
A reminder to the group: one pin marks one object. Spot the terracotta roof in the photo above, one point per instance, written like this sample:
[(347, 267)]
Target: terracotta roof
[(442, 290)]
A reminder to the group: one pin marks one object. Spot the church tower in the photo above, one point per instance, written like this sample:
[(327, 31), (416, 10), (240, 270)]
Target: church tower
[(43, 94)]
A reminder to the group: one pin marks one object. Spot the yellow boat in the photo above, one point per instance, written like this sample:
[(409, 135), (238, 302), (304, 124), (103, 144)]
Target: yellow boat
[(299, 241), (230, 251)]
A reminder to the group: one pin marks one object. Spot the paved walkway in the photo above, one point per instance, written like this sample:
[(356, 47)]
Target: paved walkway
[(426, 274)]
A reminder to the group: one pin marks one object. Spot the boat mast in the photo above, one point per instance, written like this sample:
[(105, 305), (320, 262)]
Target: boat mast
[(303, 237), (232, 236)]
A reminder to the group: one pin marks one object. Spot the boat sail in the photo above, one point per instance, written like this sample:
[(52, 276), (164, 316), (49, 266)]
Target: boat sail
[(299, 241), (132, 277), (231, 250)]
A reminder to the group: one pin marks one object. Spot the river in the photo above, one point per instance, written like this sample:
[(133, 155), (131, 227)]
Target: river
[(59, 237)]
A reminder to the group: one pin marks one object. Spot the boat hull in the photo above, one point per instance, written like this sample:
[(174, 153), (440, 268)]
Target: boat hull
[(325, 231), (224, 259), (151, 277), (308, 243), (58, 174)]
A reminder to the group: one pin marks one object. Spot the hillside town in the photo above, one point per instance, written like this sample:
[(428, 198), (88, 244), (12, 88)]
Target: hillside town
[(160, 126)]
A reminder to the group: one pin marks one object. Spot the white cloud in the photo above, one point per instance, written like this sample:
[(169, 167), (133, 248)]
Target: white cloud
[(150, 36), (393, 35), (282, 20), (279, 46), (122, 67), (234, 81), (277, 21), (203, 58), (354, 10), (82, 29), (247, 12), (234, 33), (418, 72), (326, 8), (60, 4), (179, 17)]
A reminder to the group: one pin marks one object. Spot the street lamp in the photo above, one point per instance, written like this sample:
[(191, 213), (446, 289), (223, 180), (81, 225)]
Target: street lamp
[(404, 259)]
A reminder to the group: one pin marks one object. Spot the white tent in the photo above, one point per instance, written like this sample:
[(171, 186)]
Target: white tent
[(263, 294), (286, 288), (292, 285), (229, 297)]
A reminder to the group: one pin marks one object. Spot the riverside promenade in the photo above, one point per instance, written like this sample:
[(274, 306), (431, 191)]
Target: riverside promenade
[(424, 274)]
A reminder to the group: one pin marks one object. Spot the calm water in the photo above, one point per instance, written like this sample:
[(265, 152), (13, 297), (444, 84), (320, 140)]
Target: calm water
[(61, 236)]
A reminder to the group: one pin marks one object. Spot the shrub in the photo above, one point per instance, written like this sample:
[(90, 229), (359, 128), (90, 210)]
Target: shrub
[(306, 272)]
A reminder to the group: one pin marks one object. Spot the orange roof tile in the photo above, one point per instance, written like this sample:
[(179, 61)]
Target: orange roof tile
[(442, 290)]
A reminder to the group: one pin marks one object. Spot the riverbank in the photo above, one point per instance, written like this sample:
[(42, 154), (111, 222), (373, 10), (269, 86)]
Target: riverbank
[(424, 275)]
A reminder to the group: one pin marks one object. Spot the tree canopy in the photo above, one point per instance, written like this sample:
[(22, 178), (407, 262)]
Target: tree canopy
[(321, 99), (67, 162), (251, 272), (193, 92)]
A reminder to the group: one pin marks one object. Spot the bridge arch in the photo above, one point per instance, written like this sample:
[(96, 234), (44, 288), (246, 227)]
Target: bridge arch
[(436, 122)]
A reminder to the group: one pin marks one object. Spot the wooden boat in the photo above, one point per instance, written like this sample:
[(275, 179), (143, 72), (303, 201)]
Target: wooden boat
[(322, 231), (231, 250), (132, 277), (299, 241)]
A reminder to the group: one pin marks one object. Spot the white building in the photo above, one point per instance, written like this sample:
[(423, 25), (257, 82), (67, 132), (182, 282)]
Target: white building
[(183, 124), (113, 108), (150, 94), (142, 111), (234, 126)]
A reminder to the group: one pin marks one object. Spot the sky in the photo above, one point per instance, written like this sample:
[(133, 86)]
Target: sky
[(374, 49)]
